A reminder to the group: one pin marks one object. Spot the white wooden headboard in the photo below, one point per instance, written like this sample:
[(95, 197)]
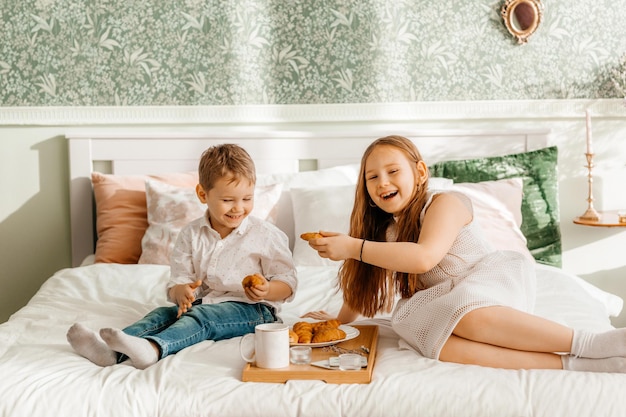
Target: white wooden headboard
[(281, 150)]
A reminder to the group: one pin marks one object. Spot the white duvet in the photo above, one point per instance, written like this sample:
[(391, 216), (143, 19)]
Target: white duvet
[(40, 375)]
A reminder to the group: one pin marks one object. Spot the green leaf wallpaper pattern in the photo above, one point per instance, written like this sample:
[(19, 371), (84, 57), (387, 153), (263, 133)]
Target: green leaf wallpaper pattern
[(234, 52)]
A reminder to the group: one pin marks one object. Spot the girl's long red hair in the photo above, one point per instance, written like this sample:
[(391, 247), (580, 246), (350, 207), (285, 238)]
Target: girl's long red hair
[(369, 289)]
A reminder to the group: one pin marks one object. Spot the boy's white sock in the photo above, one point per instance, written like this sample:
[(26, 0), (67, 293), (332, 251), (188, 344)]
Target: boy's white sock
[(599, 345), (140, 351), (88, 344), (615, 365)]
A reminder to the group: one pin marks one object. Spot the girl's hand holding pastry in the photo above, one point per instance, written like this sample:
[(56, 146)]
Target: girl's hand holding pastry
[(310, 235), (337, 246)]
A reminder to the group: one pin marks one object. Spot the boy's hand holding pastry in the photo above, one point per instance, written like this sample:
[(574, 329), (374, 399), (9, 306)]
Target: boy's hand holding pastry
[(256, 287)]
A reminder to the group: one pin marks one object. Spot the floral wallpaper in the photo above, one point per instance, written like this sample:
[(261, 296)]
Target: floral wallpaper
[(233, 52)]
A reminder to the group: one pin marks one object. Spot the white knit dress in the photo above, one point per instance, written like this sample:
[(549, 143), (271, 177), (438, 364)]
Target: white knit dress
[(471, 275)]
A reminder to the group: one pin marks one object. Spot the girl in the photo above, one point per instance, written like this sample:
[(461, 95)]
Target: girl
[(460, 300)]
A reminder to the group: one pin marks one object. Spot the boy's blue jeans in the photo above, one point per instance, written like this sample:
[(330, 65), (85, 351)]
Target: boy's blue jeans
[(201, 322)]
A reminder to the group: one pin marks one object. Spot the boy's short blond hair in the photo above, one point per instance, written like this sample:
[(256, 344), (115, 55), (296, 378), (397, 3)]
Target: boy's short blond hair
[(226, 160)]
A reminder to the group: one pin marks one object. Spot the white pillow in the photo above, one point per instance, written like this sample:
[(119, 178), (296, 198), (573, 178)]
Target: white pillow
[(170, 208), (315, 209), (498, 209), (329, 209), (327, 177)]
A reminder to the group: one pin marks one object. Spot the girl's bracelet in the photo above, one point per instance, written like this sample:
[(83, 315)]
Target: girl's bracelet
[(361, 254)]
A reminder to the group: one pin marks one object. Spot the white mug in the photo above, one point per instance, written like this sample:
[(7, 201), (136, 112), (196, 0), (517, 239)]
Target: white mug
[(271, 346)]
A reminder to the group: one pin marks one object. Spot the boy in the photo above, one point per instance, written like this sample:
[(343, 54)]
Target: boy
[(211, 257)]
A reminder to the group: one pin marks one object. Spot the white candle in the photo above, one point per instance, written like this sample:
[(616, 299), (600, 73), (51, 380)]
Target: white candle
[(589, 145)]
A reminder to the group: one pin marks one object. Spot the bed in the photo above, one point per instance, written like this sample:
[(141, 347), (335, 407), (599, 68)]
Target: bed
[(133, 190)]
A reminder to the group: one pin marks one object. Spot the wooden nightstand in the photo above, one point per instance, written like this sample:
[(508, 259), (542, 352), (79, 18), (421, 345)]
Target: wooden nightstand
[(608, 218)]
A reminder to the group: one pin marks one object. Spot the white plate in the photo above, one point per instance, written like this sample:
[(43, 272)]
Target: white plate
[(351, 333)]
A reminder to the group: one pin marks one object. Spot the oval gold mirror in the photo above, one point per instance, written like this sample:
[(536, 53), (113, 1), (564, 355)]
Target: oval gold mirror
[(522, 17)]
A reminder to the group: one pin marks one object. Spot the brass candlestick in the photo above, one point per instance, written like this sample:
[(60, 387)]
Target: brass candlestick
[(591, 213)]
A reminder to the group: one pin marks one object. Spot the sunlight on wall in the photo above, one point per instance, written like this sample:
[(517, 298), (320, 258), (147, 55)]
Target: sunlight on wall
[(16, 189)]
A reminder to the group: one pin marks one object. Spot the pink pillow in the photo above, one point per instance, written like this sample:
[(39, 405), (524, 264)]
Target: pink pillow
[(170, 208), (498, 209), (121, 213)]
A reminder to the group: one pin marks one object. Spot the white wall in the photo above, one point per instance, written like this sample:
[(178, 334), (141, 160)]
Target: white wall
[(34, 208), (34, 211)]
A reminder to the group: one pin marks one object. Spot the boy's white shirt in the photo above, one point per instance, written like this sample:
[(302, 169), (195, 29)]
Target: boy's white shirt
[(256, 246)]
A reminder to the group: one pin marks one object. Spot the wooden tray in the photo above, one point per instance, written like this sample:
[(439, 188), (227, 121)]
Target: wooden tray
[(368, 337)]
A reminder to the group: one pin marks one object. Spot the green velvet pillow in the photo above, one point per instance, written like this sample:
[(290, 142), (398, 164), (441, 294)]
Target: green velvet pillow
[(540, 203)]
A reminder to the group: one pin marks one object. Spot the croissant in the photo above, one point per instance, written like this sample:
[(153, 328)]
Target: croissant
[(304, 331), (310, 235), (334, 323), (293, 337), (328, 334), (304, 336), (302, 324), (252, 281)]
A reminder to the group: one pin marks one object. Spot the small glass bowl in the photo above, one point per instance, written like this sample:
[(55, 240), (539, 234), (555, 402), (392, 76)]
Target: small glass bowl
[(300, 355)]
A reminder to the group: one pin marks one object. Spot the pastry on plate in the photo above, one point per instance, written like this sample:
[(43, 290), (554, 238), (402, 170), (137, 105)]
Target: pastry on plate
[(304, 330), (328, 334), (318, 332), (334, 323)]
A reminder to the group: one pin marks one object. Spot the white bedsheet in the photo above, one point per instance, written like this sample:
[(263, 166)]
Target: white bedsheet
[(42, 376)]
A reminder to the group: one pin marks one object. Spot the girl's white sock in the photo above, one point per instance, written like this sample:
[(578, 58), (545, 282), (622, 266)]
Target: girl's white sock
[(88, 344), (599, 345), (614, 365), (140, 351)]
